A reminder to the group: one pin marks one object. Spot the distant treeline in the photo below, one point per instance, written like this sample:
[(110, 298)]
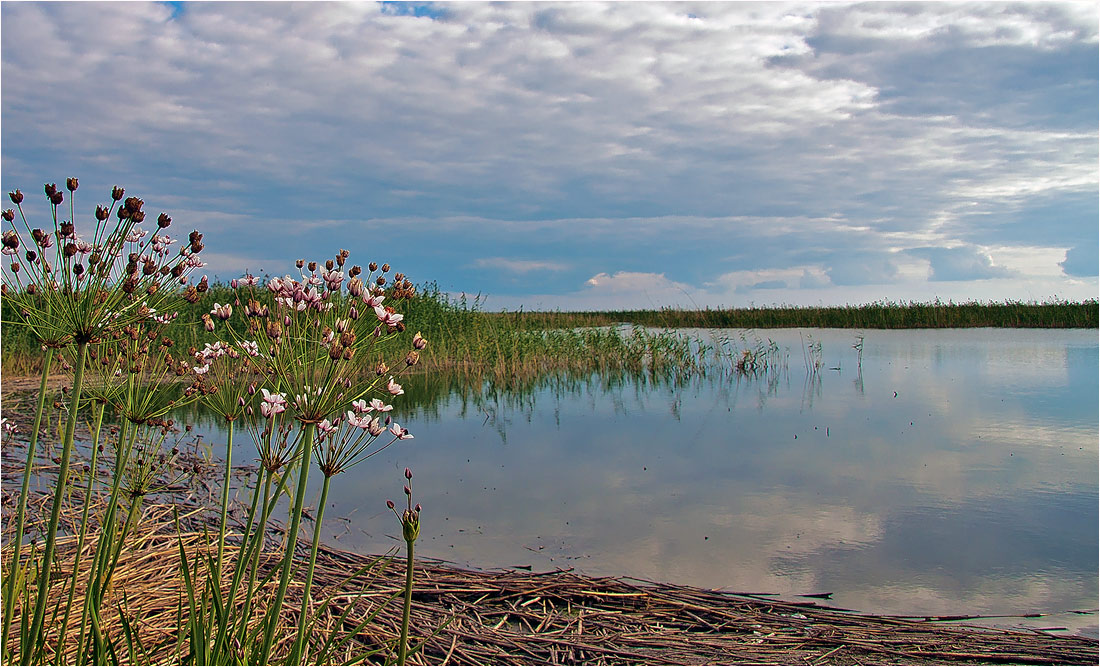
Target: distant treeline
[(879, 315)]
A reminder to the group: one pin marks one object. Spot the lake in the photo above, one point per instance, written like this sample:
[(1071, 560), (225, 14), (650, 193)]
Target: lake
[(951, 472)]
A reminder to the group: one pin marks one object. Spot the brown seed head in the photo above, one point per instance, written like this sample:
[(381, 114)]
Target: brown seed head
[(117, 193), (412, 357), (68, 229), (385, 268), (300, 263), (137, 216), (163, 220), (56, 198), (329, 265), (382, 369), (381, 280), (50, 189), (101, 213), (133, 204), (312, 266), (16, 197), (373, 266), (9, 215), (71, 184)]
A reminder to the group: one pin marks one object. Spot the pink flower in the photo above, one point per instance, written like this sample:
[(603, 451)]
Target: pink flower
[(357, 421), (376, 428), (386, 317), (400, 433), (377, 404), (394, 388), (360, 406), (326, 428)]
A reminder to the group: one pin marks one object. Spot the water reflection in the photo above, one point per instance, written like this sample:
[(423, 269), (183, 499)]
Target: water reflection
[(949, 472)]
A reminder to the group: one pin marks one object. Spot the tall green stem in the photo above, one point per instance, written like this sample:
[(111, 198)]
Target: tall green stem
[(306, 447), (403, 648), (21, 513), (298, 651), (58, 496), (83, 531), (225, 502)]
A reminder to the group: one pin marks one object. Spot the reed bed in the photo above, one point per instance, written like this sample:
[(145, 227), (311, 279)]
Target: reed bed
[(462, 616), (879, 315), (503, 345)]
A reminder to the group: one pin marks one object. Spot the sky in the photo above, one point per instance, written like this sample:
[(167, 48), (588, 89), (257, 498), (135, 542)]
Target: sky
[(587, 155)]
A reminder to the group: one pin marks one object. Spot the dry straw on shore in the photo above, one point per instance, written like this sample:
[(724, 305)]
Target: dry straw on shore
[(561, 617)]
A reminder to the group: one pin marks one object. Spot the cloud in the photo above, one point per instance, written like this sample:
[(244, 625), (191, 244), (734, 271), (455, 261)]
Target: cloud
[(961, 263), (862, 268), (519, 265), (688, 141), (1081, 261)]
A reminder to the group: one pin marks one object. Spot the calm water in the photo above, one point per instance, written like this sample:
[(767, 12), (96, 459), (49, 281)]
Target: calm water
[(957, 473)]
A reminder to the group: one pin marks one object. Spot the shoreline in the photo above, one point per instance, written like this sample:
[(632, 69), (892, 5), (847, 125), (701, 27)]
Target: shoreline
[(560, 616)]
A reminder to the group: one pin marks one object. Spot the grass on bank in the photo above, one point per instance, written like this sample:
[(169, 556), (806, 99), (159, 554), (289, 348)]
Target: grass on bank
[(509, 345)]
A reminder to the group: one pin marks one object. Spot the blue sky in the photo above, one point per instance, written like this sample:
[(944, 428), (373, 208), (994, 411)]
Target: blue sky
[(586, 155)]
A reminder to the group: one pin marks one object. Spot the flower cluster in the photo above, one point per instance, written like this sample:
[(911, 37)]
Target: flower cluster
[(74, 287)]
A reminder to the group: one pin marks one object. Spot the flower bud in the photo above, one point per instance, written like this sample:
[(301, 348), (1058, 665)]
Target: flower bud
[(16, 197), (417, 508), (390, 504), (408, 491), (71, 184), (408, 474)]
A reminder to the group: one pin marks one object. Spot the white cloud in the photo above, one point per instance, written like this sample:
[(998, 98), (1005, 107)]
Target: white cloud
[(787, 135), (519, 265)]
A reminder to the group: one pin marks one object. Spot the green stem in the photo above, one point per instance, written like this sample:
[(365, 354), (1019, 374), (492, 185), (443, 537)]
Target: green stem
[(306, 447), (403, 647), (239, 568), (21, 513), (225, 503), (298, 650), (259, 537), (83, 531), (55, 513), (123, 446)]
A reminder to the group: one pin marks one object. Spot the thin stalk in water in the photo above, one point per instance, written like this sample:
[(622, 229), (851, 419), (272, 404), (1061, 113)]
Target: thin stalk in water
[(83, 529), (298, 651), (306, 447), (21, 513), (55, 513)]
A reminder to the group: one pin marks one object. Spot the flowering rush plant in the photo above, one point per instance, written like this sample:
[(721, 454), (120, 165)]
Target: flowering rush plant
[(70, 285), (317, 334)]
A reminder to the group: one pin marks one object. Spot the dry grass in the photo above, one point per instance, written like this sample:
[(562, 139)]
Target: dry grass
[(561, 617)]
